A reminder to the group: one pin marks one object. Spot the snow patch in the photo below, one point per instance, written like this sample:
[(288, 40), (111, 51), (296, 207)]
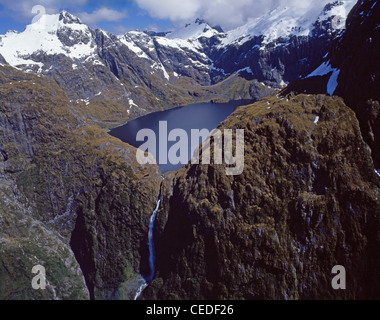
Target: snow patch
[(247, 69), (132, 103), (178, 44), (212, 67), (160, 66), (324, 69), (96, 62), (193, 31), (333, 82), (86, 101), (134, 48)]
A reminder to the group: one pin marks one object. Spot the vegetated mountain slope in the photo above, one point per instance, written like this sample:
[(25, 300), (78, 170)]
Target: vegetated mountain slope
[(308, 200), (352, 70), (66, 189), (116, 78)]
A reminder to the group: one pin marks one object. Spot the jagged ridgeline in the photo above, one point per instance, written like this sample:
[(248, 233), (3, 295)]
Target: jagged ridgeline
[(72, 198)]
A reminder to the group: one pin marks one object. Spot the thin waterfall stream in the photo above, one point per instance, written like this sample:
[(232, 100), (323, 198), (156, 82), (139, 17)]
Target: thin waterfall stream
[(152, 253)]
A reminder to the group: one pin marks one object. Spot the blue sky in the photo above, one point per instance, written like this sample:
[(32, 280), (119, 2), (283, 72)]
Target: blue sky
[(119, 16), (116, 16)]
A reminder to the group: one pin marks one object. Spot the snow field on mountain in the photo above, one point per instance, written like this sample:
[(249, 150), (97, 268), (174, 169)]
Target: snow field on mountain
[(42, 36)]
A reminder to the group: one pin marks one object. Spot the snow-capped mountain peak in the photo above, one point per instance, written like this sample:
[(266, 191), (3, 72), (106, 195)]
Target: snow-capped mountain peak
[(196, 30), (55, 22), (69, 18), (61, 33), (291, 20)]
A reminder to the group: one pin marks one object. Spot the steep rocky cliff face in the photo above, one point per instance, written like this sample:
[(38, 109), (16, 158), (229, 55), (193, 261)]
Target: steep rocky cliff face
[(355, 57), (358, 58), (72, 198), (308, 200), (2, 60)]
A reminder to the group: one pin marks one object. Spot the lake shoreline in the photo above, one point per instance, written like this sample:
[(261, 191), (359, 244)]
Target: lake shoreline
[(240, 103), (198, 116)]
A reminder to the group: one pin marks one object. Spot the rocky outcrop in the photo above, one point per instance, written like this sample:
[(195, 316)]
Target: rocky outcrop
[(308, 200), (26, 242), (2, 60)]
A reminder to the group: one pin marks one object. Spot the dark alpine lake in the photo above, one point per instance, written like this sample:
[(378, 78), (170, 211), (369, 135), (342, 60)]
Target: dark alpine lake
[(196, 116)]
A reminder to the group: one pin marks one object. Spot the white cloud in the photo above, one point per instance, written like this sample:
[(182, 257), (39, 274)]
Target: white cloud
[(172, 9), (102, 14), (227, 13), (120, 29), (22, 11)]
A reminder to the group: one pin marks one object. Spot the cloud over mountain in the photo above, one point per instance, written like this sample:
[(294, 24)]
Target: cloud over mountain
[(102, 14), (23, 10), (228, 14)]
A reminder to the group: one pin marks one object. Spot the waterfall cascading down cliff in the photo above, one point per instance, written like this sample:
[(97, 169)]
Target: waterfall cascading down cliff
[(152, 254)]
